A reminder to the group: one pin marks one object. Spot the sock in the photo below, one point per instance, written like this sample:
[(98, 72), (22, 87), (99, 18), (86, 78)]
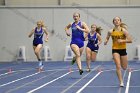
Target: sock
[(40, 63)]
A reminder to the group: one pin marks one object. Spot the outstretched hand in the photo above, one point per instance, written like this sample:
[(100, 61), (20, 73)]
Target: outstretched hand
[(46, 40)]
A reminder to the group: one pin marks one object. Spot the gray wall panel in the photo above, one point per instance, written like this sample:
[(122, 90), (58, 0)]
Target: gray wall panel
[(17, 22)]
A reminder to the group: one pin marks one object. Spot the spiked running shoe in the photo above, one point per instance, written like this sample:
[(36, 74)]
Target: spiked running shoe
[(81, 72)]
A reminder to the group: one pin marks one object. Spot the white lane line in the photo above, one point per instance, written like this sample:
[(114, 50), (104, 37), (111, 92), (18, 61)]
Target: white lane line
[(135, 86), (14, 72), (7, 73), (88, 82), (135, 70), (19, 79), (65, 90), (128, 82), (26, 84), (109, 70), (31, 91), (120, 89)]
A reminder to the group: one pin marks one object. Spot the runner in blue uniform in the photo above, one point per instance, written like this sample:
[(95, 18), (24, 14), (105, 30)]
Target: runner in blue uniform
[(37, 41), (77, 39), (94, 40)]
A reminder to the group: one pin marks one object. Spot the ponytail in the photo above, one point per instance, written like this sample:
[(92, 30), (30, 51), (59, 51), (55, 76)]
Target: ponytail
[(42, 24), (123, 25), (98, 30)]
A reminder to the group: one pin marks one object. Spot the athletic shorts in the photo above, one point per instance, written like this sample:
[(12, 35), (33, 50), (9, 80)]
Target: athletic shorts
[(122, 52), (79, 44), (35, 43), (93, 48)]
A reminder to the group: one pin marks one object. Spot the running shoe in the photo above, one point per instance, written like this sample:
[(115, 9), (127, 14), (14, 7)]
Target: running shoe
[(81, 71), (121, 84), (41, 65), (88, 70)]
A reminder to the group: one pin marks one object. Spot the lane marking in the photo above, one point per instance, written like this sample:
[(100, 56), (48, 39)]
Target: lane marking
[(23, 70), (120, 89), (31, 91), (14, 72), (79, 80), (6, 73), (109, 70), (128, 82), (26, 84), (135, 70), (79, 91), (19, 79)]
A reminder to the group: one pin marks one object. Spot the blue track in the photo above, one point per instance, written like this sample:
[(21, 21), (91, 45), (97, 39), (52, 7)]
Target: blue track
[(61, 77)]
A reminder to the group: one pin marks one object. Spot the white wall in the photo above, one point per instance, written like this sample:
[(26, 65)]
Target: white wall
[(94, 2), (70, 2), (134, 2), (31, 2), (16, 23)]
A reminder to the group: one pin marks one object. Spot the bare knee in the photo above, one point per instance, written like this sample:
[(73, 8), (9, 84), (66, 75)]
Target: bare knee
[(93, 59), (124, 68), (88, 57), (78, 55), (118, 67), (36, 52)]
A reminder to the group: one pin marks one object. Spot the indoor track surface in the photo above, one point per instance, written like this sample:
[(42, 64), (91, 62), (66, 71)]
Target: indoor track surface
[(62, 77)]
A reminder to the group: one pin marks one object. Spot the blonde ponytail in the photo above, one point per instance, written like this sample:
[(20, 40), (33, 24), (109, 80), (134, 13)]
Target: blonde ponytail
[(123, 25), (43, 24), (98, 30)]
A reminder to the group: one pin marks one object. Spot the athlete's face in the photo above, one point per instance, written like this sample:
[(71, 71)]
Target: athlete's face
[(76, 17), (117, 21), (38, 24), (93, 28)]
